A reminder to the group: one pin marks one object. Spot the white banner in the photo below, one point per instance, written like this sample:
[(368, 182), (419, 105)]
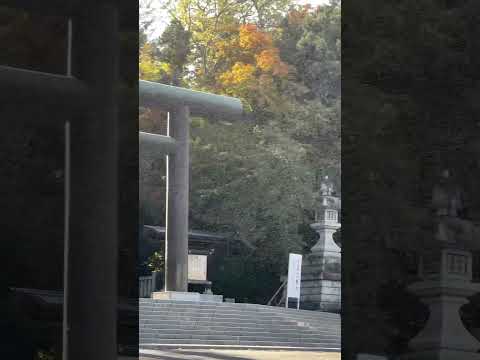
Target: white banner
[(294, 276)]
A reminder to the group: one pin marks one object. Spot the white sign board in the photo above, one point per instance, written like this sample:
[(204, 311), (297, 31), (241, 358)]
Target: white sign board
[(294, 276), (197, 267)]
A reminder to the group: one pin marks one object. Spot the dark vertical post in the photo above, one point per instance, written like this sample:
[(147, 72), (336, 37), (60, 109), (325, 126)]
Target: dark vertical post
[(94, 202), (176, 236)]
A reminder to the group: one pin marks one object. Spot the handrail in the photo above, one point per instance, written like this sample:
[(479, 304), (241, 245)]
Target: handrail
[(276, 293)]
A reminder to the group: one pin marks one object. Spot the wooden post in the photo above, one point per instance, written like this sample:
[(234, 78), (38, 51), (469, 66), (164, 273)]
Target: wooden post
[(92, 308), (178, 173)]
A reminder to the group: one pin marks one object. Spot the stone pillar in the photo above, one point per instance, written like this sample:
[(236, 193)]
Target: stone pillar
[(178, 173)]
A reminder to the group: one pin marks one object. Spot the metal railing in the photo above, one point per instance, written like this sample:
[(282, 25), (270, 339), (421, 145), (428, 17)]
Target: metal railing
[(272, 301)]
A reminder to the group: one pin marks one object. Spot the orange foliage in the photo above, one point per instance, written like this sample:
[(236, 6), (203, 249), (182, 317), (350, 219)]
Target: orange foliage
[(251, 38), (239, 74), (296, 17), (251, 60), (269, 60)]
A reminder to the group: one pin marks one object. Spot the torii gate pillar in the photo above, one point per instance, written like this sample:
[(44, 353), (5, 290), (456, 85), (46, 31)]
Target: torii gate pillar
[(178, 174)]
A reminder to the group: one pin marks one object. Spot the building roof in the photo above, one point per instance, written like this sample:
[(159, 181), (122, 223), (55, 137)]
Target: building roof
[(197, 235), (192, 234)]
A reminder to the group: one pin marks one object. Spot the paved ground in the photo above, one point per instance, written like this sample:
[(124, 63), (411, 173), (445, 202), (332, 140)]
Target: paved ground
[(195, 354)]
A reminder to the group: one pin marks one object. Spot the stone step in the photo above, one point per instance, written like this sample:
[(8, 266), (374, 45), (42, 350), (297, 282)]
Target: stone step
[(233, 320), (191, 328), (237, 320), (320, 316), (247, 309), (276, 318), (270, 343), (250, 337), (237, 328), (225, 323), (239, 332), (235, 306), (253, 337), (194, 331), (253, 342), (293, 312), (147, 347), (213, 325), (206, 312), (223, 326), (216, 319), (333, 346)]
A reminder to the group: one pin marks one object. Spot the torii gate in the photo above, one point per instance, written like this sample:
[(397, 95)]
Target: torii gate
[(181, 103)]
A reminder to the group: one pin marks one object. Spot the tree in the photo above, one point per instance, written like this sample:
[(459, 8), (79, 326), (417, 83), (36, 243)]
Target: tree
[(310, 43), (318, 55), (173, 49)]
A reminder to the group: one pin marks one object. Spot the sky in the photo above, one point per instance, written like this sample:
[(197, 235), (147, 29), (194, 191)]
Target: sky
[(162, 19)]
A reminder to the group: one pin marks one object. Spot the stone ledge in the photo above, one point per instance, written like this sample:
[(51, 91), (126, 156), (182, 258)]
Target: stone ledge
[(442, 354), (186, 296)]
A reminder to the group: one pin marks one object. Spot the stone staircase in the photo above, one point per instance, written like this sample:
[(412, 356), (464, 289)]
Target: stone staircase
[(173, 323)]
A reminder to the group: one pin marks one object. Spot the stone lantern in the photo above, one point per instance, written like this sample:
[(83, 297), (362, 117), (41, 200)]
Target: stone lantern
[(446, 284), (321, 269), (326, 220)]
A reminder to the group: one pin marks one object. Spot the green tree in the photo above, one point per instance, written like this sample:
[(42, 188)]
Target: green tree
[(173, 48), (310, 41)]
